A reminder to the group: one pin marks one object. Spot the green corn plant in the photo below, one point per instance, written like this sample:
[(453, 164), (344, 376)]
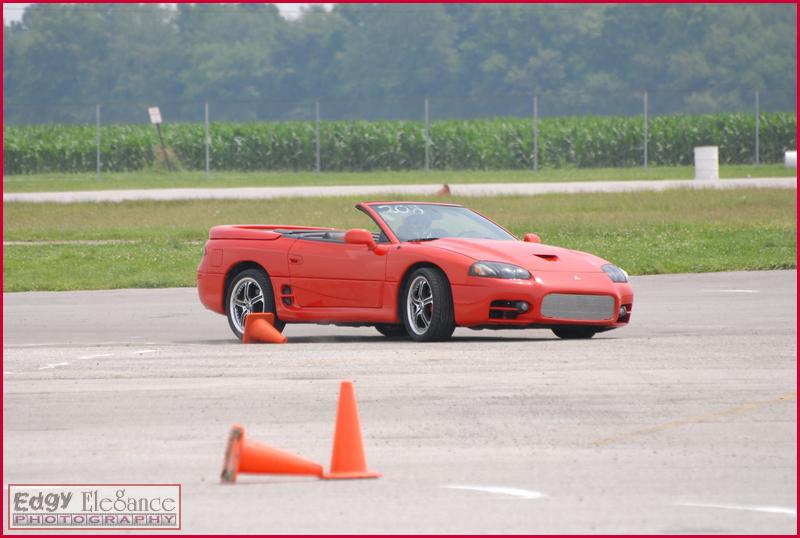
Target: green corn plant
[(492, 143)]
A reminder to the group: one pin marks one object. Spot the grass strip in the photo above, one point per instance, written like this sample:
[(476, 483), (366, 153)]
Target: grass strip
[(643, 232)]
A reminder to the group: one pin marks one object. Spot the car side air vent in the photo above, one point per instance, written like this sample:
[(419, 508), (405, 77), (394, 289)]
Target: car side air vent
[(287, 296), (548, 257)]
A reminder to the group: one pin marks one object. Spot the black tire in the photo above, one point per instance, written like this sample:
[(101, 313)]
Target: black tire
[(392, 331), (434, 320), (249, 285), (574, 332)]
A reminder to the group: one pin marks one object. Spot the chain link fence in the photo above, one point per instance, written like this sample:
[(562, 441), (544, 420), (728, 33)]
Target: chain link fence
[(535, 131)]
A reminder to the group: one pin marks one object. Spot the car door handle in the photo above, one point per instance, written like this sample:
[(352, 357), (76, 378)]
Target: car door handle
[(295, 259)]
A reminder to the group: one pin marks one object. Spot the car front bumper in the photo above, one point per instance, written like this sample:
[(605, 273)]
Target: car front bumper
[(574, 299)]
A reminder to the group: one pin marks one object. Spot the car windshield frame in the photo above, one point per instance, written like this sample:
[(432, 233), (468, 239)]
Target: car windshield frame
[(395, 216)]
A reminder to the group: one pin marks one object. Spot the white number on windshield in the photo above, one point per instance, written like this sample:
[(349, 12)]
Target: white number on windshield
[(401, 209)]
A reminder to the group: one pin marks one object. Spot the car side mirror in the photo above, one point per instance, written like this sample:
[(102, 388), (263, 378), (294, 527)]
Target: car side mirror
[(358, 236), (532, 238)]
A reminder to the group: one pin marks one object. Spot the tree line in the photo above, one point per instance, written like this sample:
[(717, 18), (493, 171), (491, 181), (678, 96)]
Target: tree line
[(380, 61)]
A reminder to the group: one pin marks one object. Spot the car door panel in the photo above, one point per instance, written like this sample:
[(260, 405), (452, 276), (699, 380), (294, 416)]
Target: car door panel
[(328, 274)]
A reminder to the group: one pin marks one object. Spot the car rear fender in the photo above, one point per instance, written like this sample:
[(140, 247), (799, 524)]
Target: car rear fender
[(238, 268)]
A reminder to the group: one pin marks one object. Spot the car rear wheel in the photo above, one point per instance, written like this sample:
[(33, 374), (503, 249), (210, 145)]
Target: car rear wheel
[(392, 331), (427, 306), (575, 332), (249, 291)]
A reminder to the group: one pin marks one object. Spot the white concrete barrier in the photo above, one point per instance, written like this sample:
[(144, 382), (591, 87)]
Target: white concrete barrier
[(706, 162), (790, 159)]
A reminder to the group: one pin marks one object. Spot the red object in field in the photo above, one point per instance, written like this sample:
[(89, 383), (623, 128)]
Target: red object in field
[(422, 270), (348, 459), (532, 238)]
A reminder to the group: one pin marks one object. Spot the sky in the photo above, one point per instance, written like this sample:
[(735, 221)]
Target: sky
[(14, 11)]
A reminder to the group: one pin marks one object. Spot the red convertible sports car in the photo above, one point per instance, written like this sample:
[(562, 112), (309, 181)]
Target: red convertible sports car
[(425, 269)]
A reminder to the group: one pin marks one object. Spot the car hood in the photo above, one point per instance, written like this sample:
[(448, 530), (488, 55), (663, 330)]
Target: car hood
[(531, 256)]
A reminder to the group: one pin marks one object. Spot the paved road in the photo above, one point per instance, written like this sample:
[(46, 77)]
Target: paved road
[(684, 422), (465, 189)]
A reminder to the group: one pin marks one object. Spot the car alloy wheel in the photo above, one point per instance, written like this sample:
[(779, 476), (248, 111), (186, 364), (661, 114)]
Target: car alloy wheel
[(427, 306), (246, 297), (419, 305), (249, 291)]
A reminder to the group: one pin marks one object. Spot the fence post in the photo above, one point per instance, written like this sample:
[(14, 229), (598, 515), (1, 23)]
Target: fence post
[(645, 130), (208, 143), (427, 137), (317, 134), (535, 133), (758, 122), (97, 138)]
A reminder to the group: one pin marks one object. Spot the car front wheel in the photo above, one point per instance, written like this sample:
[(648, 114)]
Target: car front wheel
[(249, 291), (427, 306), (392, 331), (574, 332)]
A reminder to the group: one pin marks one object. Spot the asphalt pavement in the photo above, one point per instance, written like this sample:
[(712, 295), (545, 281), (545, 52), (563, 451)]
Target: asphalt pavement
[(683, 422)]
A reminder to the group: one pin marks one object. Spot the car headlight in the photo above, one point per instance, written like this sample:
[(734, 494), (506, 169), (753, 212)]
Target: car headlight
[(498, 270), (615, 273)]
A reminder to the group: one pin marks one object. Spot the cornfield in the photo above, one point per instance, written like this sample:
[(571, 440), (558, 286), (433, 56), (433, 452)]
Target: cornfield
[(499, 143)]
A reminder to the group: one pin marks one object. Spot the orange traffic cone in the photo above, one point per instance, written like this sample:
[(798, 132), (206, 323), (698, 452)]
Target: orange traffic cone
[(244, 456), (260, 327), (444, 191), (348, 452)]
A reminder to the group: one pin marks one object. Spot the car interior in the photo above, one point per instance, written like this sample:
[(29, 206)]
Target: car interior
[(331, 236)]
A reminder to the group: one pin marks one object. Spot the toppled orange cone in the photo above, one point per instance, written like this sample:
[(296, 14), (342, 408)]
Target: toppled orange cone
[(444, 191), (348, 451), (245, 456), (259, 327)]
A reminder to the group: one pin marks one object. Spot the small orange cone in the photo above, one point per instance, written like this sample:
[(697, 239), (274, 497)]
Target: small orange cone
[(348, 452), (444, 191), (259, 327), (244, 456)]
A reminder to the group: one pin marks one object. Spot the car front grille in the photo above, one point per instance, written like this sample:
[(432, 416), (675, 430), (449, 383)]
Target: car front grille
[(582, 307)]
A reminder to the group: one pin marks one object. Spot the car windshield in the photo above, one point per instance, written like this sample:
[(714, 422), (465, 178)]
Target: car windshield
[(426, 222)]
